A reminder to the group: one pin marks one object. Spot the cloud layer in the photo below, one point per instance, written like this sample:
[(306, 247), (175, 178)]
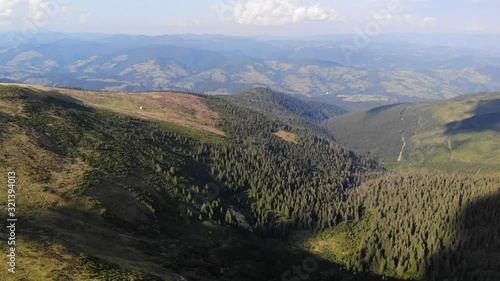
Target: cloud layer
[(38, 12), (37, 9), (7, 7), (273, 12)]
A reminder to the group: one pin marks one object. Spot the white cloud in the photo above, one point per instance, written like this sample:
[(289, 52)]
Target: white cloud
[(273, 12), (430, 22), (177, 22), (37, 10), (7, 7), (84, 17)]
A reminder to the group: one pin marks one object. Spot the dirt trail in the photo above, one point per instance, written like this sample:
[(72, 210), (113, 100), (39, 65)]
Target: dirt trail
[(451, 150), (400, 158)]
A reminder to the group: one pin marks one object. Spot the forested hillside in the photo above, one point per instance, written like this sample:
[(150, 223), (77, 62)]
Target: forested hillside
[(421, 225), (204, 189), (307, 115), (376, 132), (284, 106), (148, 178)]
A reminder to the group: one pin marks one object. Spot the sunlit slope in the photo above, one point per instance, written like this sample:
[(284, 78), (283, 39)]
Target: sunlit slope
[(183, 109), (62, 235), (468, 126), (457, 133)]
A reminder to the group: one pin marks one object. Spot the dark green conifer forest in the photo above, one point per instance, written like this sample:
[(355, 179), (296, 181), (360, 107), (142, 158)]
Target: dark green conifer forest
[(415, 224)]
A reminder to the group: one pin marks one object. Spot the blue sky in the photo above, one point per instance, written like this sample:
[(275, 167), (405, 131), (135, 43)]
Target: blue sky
[(252, 17)]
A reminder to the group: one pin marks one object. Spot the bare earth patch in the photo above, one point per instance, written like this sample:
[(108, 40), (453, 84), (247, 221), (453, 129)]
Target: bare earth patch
[(286, 136)]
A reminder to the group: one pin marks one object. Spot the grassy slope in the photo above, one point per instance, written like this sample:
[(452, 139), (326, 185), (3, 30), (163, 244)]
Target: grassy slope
[(457, 127), (460, 133), (177, 108), (341, 243), (40, 261), (56, 223)]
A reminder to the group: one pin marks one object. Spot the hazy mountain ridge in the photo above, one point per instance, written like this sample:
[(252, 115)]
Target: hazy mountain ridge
[(222, 64)]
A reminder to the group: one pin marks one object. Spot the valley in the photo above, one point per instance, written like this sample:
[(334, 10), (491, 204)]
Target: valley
[(249, 140), (180, 186), (94, 176)]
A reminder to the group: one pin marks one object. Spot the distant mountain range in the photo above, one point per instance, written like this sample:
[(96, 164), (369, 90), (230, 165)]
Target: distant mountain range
[(385, 72)]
